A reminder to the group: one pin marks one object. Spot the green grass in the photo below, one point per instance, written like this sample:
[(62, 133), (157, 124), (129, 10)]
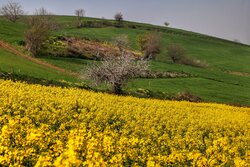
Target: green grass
[(213, 83), (71, 64), (104, 34), (11, 32), (218, 54), (208, 90), (14, 64)]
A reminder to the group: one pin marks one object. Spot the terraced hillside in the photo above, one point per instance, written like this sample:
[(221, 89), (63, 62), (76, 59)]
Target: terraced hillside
[(225, 80)]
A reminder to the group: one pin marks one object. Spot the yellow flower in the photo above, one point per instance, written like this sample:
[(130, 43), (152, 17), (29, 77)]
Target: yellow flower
[(52, 126)]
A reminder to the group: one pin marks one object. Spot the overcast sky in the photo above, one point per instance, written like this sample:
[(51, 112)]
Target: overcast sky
[(228, 19)]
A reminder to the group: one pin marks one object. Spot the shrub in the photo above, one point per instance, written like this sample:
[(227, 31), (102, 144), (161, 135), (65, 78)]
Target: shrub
[(178, 55), (116, 71), (187, 96), (39, 26), (21, 42), (150, 44), (54, 46)]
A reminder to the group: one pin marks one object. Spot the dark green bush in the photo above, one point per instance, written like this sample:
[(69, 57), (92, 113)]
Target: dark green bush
[(21, 42)]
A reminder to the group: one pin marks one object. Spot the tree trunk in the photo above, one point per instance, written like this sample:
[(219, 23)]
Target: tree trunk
[(117, 88)]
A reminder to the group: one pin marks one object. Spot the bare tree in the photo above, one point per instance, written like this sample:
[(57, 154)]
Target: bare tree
[(42, 12), (118, 17), (117, 71), (121, 42), (39, 26), (150, 45), (80, 13), (12, 11), (176, 53)]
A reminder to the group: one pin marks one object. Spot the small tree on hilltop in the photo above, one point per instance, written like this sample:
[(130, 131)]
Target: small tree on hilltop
[(12, 11), (80, 13), (166, 24), (118, 17), (116, 71), (39, 26)]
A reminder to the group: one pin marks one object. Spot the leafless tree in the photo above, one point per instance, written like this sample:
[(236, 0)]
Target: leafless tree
[(150, 45), (80, 13), (118, 17), (176, 52), (117, 71), (121, 42), (12, 11), (39, 26), (42, 12), (178, 55)]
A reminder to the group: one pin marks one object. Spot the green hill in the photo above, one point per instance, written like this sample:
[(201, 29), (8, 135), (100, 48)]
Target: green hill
[(225, 80)]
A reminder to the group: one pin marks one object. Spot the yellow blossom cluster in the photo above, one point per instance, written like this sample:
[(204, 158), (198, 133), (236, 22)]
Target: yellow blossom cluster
[(52, 126)]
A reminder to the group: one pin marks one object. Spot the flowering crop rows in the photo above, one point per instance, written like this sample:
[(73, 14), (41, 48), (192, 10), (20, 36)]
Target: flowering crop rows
[(51, 126)]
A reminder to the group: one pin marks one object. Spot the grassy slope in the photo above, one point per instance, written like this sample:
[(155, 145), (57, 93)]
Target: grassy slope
[(212, 83), (13, 33), (18, 65)]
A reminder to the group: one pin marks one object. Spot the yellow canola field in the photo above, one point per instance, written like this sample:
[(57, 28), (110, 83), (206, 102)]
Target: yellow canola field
[(51, 126)]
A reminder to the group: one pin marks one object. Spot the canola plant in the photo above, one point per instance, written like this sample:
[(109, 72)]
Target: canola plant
[(52, 126)]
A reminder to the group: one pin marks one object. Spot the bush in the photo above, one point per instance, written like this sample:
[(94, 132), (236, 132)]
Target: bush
[(116, 71), (21, 42), (192, 62), (178, 55), (39, 26), (133, 26), (54, 46), (145, 93), (187, 96), (149, 44)]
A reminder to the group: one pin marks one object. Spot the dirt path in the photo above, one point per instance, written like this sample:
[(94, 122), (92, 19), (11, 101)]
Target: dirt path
[(11, 49)]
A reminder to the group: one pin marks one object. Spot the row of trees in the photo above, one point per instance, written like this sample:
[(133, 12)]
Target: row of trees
[(14, 10)]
